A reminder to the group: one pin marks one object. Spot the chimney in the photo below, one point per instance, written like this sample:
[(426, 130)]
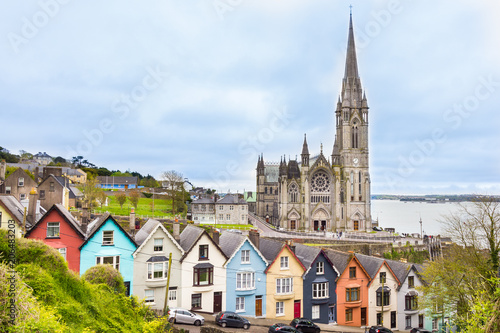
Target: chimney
[(215, 236), (3, 169), (176, 230), (85, 217), (37, 175), (33, 196), (291, 246), (132, 221), (254, 237)]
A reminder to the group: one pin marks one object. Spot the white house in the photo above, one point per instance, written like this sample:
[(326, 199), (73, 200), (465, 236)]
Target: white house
[(203, 275), (151, 266), (408, 314)]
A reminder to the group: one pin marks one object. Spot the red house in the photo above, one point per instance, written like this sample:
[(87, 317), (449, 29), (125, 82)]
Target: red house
[(59, 229)]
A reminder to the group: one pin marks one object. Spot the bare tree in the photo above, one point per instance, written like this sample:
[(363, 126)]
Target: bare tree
[(173, 181), (134, 198), (91, 191)]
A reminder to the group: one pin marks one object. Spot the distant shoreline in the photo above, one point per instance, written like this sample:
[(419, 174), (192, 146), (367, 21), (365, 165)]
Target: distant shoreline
[(434, 198)]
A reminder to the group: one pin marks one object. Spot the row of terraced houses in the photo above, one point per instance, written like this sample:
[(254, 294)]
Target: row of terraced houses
[(254, 276)]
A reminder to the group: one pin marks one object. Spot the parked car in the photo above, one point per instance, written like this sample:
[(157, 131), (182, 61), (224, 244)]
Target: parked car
[(419, 330), (280, 327), (183, 316), (305, 325), (379, 329), (231, 319)]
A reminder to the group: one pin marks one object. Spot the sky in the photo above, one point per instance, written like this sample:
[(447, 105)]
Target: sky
[(204, 87)]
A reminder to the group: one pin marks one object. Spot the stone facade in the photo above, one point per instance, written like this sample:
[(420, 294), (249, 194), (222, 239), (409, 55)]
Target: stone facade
[(322, 193)]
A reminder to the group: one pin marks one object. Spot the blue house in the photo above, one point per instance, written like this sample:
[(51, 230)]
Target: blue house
[(107, 243), (245, 277), (319, 284)]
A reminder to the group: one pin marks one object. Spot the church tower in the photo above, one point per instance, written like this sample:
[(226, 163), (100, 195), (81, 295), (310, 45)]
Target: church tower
[(350, 149)]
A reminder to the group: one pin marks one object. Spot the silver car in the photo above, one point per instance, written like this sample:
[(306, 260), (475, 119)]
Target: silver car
[(183, 316)]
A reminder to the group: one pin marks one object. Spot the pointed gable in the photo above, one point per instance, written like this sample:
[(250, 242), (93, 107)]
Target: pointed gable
[(96, 225), (148, 230), (190, 236), (286, 248), (63, 212), (231, 243)]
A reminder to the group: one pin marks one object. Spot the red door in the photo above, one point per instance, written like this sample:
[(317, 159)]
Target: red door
[(296, 309)]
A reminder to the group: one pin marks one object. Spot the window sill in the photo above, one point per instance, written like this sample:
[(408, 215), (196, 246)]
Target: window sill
[(203, 259), (108, 244), (58, 237)]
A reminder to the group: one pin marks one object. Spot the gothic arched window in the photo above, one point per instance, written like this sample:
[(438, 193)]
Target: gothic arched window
[(293, 193), (354, 135)]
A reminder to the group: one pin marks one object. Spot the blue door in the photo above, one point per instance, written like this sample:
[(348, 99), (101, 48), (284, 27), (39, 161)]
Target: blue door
[(331, 314)]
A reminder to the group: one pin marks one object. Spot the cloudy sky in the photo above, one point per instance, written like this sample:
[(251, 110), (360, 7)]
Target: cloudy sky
[(202, 87)]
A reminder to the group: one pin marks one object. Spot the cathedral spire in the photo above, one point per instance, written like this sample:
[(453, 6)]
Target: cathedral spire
[(305, 153), (351, 65)]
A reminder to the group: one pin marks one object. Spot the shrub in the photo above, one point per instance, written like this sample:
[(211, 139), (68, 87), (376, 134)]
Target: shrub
[(107, 275)]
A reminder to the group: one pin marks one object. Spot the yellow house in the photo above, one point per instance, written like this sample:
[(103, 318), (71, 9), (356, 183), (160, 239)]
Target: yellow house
[(11, 215), (285, 285)]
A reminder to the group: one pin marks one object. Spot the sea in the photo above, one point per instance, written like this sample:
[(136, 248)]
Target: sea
[(405, 216)]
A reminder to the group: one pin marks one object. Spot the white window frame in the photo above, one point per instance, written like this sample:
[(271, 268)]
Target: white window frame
[(8, 189), (320, 290), (20, 181), (245, 256), (245, 281), (115, 263), (280, 309), (106, 238), (320, 267), (284, 263), (149, 299), (315, 312), (221, 207), (155, 245), (240, 304), (63, 252), (53, 226), (22, 196), (284, 286), (157, 267), (172, 295), (221, 217), (228, 217)]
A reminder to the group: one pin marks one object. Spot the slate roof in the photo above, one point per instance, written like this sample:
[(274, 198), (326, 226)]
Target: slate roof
[(203, 201), (230, 242), (231, 199), (339, 259), (269, 248), (370, 264), (15, 208), (306, 254), (189, 236), (72, 221), (146, 229), (400, 269)]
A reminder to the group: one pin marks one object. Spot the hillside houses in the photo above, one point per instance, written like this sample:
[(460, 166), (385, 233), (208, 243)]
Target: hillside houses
[(255, 276)]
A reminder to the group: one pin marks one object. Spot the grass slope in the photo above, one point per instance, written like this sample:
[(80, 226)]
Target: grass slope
[(51, 298)]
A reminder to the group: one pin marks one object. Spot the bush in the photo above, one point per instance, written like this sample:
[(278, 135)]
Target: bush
[(107, 275)]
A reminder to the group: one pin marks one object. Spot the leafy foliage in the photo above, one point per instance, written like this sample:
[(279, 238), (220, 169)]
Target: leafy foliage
[(107, 275), (121, 198), (50, 298), (134, 198)]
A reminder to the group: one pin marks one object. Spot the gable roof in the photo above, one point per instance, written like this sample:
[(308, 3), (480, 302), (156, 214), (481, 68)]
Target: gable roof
[(231, 243), (339, 259), (95, 225), (283, 247), (53, 178), (269, 248), (190, 236), (203, 201), (309, 254), (373, 265), (147, 231), (14, 207), (66, 215), (400, 269)]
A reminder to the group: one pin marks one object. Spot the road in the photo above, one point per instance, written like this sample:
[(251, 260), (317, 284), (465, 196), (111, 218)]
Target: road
[(196, 329)]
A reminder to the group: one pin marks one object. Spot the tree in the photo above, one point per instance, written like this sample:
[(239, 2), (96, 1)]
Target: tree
[(77, 160), (91, 191), (174, 183), (465, 282), (107, 275), (121, 198), (25, 156), (134, 198)]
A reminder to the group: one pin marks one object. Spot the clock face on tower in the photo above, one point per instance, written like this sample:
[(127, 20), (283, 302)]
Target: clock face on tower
[(355, 161), (320, 182)]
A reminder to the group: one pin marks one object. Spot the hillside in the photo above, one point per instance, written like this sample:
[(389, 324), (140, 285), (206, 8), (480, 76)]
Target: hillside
[(50, 298)]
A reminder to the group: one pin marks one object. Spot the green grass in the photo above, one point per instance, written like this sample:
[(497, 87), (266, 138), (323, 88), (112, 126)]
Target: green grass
[(162, 207), (232, 226)]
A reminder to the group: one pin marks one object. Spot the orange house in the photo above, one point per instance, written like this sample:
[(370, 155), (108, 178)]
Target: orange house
[(352, 295), (60, 230)]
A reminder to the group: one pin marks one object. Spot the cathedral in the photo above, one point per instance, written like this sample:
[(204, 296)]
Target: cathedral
[(324, 193)]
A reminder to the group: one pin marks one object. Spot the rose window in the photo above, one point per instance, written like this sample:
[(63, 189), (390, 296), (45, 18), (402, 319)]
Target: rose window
[(320, 182)]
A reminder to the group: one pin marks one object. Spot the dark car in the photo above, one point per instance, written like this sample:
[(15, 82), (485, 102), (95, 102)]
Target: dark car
[(305, 325), (379, 329), (419, 330), (231, 319), (280, 327)]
